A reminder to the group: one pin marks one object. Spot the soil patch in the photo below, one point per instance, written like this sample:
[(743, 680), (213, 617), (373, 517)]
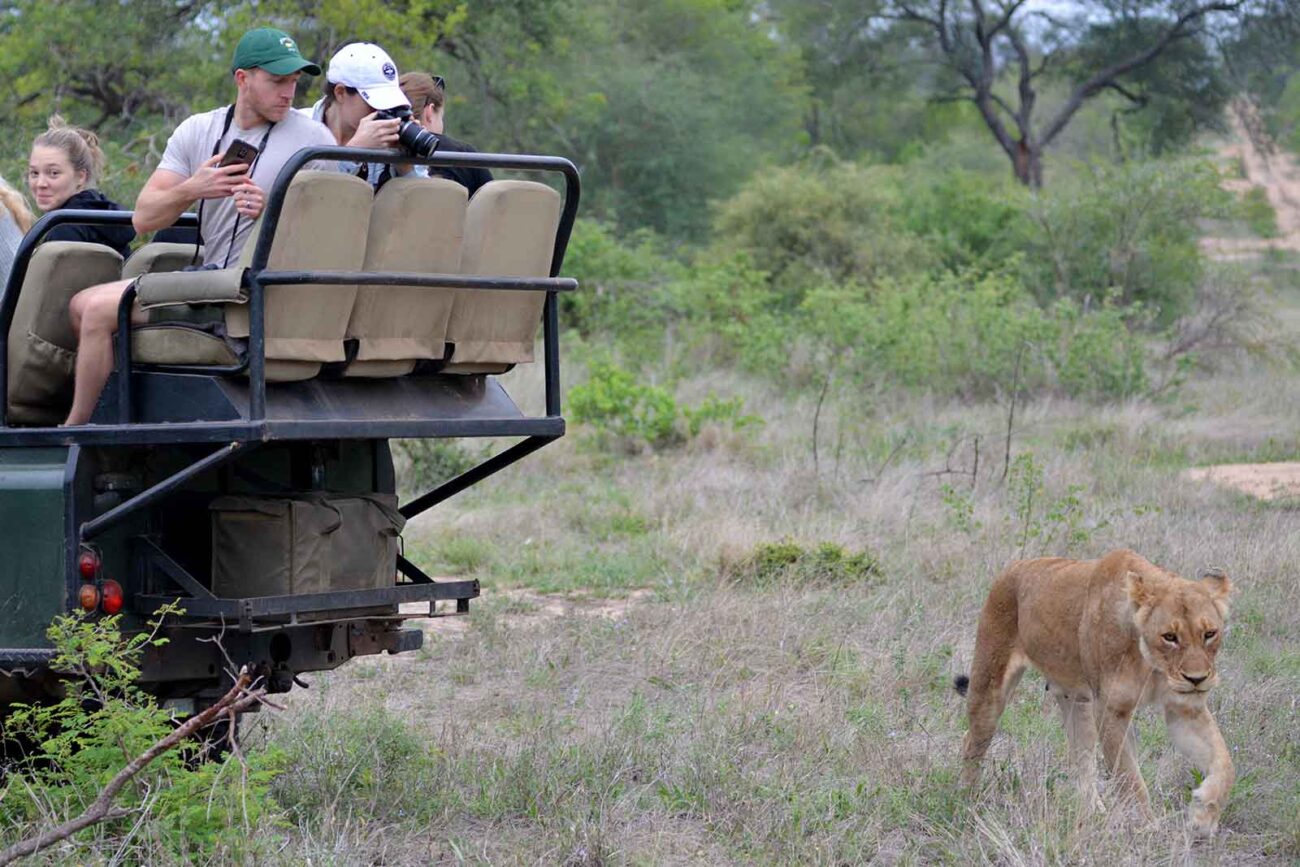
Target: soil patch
[(1276, 481)]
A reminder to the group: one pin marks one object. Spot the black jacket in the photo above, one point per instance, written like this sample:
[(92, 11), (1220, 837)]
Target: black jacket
[(117, 237), (469, 177)]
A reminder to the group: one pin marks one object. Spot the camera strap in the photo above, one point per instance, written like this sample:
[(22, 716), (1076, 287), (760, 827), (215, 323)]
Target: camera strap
[(216, 149)]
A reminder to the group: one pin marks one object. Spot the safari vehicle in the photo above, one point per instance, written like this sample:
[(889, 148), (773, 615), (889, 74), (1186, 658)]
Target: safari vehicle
[(238, 462)]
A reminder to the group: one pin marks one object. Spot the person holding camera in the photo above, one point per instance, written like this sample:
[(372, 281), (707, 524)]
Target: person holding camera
[(428, 96), (364, 107), (224, 159)]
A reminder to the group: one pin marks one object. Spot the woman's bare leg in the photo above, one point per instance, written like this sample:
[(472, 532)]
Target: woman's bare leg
[(93, 313)]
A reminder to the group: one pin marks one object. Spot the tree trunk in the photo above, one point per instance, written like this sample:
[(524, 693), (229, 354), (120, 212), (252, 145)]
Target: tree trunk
[(1027, 163)]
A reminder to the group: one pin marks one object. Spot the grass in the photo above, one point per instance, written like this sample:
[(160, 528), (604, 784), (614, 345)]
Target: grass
[(753, 710)]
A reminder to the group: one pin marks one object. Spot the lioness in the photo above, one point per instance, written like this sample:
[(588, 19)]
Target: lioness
[(1110, 636)]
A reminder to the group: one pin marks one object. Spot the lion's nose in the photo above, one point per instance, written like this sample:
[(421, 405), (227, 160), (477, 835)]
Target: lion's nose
[(1195, 681)]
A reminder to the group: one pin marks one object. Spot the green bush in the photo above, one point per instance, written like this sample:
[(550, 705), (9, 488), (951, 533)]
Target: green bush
[(64, 753), (816, 223), (630, 414), (825, 563), (1258, 213), (423, 464), (1125, 234)]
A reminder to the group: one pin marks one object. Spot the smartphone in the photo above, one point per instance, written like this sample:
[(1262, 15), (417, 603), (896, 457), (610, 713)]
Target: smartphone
[(238, 152)]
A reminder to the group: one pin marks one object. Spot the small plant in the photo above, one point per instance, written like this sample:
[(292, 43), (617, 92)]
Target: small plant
[(1258, 212), (961, 509), (1025, 493), (424, 464), (105, 738), (635, 415), (827, 563)]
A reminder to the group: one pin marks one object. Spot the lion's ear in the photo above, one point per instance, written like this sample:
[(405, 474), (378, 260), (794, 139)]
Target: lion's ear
[(1216, 582), (1138, 589)]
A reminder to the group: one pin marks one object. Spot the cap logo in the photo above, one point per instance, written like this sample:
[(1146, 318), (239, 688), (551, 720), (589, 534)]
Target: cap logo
[(390, 71), (288, 44)]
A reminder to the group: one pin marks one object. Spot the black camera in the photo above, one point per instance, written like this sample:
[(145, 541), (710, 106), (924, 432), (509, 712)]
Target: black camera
[(410, 135)]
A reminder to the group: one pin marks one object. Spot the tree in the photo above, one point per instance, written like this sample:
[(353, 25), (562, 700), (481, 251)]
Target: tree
[(982, 43)]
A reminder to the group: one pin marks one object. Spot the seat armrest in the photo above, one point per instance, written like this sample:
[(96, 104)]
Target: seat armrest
[(191, 287)]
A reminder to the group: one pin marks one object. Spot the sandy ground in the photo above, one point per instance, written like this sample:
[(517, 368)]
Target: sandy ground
[(1263, 481)]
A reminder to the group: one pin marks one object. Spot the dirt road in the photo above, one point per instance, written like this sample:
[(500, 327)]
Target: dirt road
[(1267, 166)]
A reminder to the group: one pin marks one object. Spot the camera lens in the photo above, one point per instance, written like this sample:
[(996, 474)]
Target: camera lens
[(416, 139)]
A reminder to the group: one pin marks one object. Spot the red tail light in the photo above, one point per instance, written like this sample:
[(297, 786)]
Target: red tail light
[(88, 565), (88, 597), (112, 602)]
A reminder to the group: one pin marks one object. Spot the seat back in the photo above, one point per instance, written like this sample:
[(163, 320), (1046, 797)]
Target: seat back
[(417, 225), (158, 256), (42, 345), (510, 231), (322, 227)]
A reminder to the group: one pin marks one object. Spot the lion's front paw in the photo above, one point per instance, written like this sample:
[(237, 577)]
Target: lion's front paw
[(1203, 816)]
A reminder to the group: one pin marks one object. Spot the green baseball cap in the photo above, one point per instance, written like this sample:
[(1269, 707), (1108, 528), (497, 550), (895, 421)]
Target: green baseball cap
[(272, 50)]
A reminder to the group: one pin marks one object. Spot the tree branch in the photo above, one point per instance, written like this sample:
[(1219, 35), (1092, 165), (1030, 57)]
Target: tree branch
[(1100, 80)]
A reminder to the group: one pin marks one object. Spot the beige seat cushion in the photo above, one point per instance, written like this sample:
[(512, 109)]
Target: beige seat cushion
[(322, 227), (417, 225), (42, 345), (160, 257), (180, 343), (509, 232)]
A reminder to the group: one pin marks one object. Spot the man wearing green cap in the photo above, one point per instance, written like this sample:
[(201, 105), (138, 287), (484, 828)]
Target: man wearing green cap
[(266, 68)]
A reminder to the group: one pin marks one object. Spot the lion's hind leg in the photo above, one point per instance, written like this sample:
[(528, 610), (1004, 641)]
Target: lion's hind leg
[(998, 666)]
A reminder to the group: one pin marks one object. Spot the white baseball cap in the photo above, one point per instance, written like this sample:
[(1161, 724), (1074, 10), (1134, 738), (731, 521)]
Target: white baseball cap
[(367, 68)]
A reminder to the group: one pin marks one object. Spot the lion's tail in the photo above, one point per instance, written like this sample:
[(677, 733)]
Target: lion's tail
[(960, 683)]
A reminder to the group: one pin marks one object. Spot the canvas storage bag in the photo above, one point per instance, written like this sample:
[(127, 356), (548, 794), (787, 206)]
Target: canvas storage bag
[(310, 543)]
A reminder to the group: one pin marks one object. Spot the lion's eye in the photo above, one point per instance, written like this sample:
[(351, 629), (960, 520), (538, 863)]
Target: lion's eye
[(1171, 637), (1209, 635)]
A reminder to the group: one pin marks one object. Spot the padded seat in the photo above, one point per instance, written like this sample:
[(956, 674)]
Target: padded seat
[(417, 225), (158, 257), (42, 345), (510, 231), (199, 316)]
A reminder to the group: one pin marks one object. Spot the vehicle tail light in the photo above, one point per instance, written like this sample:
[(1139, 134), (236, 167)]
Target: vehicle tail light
[(88, 565), (112, 602), (89, 597)]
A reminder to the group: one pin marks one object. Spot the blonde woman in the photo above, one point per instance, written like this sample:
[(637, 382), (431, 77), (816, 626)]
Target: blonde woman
[(65, 165), (15, 220)]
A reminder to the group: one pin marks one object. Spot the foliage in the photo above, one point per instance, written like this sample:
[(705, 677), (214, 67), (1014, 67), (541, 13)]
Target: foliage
[(423, 464), (1126, 234), (825, 563), (1258, 212), (632, 414), (68, 750)]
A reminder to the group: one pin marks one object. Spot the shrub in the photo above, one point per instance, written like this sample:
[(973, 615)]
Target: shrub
[(629, 414), (1126, 234), (816, 223), (67, 751), (825, 563), (423, 464), (1258, 213)]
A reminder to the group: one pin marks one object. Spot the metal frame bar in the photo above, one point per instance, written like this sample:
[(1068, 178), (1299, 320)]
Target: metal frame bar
[(273, 606), (120, 512), (474, 475)]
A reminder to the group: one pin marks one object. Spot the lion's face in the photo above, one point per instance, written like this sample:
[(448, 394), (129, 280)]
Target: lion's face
[(1180, 624)]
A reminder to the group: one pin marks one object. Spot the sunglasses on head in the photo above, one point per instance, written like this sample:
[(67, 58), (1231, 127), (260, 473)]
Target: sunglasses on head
[(439, 82)]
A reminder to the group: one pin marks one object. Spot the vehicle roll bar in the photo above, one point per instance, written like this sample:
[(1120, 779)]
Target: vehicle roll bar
[(258, 276)]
